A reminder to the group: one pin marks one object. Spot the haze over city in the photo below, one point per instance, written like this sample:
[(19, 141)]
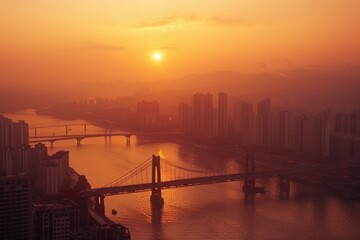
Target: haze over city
[(231, 119), (98, 48)]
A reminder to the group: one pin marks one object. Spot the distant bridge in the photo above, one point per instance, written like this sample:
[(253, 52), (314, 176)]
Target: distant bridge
[(69, 135)]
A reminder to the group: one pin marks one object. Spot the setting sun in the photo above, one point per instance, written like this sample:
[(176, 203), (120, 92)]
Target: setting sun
[(157, 56)]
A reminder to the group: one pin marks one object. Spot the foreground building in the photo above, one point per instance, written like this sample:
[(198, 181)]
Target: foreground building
[(15, 207)]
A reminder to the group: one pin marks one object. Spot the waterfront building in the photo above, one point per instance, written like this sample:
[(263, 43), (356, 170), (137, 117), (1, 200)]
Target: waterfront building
[(344, 147), (355, 123), (284, 130), (305, 132), (53, 173), (14, 147), (38, 155), (56, 220), (15, 207), (13, 134), (147, 114)]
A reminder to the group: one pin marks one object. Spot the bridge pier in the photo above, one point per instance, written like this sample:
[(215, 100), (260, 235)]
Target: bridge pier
[(100, 204), (52, 144), (156, 199), (128, 137), (78, 142), (284, 186)]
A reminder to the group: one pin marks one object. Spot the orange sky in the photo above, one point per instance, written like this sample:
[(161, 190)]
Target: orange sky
[(63, 40)]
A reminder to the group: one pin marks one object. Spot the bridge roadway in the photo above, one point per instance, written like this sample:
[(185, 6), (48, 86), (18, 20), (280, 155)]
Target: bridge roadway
[(116, 190)]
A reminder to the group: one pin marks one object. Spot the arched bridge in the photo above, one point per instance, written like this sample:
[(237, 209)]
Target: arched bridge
[(67, 133)]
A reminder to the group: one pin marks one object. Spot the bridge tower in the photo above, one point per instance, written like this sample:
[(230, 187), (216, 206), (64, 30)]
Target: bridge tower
[(156, 198), (249, 183), (284, 186), (100, 204), (249, 187)]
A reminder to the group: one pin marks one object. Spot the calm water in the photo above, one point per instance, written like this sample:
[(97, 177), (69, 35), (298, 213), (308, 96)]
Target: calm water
[(216, 211)]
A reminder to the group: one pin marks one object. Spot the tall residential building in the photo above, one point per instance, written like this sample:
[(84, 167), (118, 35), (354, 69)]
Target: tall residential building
[(223, 115), (56, 220), (53, 173), (284, 130), (203, 115), (185, 116), (241, 108), (342, 123), (148, 114), (264, 106), (14, 147), (38, 155), (304, 132), (265, 118), (355, 123), (15, 207)]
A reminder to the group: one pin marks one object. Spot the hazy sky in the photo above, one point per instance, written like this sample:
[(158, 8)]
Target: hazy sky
[(103, 40)]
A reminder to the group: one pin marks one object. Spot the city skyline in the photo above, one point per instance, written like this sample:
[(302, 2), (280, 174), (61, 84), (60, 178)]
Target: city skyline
[(172, 120)]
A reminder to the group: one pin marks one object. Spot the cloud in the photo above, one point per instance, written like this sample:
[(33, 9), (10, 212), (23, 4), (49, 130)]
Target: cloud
[(105, 47), (97, 47), (169, 23), (225, 21), (164, 48), (166, 23)]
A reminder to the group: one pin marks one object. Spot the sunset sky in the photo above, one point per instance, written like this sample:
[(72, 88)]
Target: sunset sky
[(63, 40)]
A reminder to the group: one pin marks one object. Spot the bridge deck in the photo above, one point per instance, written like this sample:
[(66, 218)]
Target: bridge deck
[(202, 181)]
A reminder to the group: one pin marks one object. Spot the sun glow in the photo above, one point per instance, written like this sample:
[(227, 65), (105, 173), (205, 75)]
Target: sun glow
[(157, 56)]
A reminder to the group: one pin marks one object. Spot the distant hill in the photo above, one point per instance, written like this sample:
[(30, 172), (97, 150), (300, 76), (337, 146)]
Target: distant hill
[(314, 87)]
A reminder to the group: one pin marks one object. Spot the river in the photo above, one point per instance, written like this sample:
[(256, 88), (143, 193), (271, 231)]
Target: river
[(217, 211)]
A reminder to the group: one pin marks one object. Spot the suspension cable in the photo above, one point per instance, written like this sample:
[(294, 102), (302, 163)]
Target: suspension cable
[(142, 165)]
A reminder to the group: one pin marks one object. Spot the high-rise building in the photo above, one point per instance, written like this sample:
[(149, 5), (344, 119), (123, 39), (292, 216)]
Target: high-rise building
[(265, 118), (15, 207), (342, 123), (241, 108), (56, 220), (14, 147), (203, 115), (147, 114), (223, 115), (284, 130), (185, 120), (53, 173), (355, 123), (264, 106)]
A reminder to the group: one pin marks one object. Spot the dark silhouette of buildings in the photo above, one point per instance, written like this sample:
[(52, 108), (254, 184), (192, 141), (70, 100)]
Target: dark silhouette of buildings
[(203, 115), (223, 115), (15, 207), (56, 220), (147, 114)]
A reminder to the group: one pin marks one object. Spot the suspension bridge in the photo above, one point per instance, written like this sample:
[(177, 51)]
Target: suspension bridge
[(148, 176)]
